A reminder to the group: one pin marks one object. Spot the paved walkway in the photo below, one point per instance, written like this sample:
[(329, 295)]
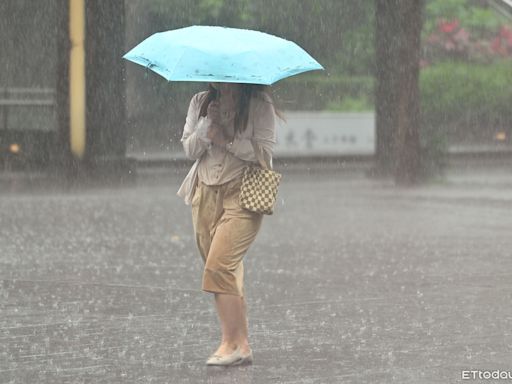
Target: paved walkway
[(351, 281)]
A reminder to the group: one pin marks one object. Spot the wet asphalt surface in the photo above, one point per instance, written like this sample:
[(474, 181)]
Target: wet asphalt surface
[(352, 280)]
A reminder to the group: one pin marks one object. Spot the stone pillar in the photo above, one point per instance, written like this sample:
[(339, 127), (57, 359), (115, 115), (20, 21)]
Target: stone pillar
[(65, 160)]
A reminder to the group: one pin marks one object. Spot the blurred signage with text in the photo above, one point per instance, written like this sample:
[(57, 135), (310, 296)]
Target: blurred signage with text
[(312, 133)]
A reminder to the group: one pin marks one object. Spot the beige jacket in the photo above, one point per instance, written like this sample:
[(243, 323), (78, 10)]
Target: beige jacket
[(215, 165)]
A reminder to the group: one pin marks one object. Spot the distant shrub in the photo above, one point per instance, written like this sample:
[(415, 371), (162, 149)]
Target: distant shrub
[(351, 104), (325, 92), (466, 102)]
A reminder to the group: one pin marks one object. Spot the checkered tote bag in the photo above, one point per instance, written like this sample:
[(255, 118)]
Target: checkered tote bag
[(259, 187)]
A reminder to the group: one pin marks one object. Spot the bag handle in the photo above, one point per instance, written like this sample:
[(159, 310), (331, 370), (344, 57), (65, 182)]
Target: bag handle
[(259, 155)]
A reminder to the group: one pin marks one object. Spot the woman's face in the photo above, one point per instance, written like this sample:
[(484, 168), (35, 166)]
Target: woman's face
[(227, 89)]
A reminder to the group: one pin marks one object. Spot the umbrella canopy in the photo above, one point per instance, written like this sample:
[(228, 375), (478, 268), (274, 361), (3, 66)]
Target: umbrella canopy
[(219, 54)]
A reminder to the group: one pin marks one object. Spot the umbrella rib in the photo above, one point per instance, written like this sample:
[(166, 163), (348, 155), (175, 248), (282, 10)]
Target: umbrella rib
[(177, 62)]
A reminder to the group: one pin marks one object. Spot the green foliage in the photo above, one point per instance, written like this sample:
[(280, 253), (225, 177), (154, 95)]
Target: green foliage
[(351, 104), (463, 100), (320, 92), (483, 19), (172, 14), (473, 15)]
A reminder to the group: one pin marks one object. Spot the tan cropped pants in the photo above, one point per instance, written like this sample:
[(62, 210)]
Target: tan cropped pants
[(224, 231)]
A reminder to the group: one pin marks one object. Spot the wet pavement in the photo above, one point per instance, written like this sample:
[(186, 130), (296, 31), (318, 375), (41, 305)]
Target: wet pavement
[(351, 281)]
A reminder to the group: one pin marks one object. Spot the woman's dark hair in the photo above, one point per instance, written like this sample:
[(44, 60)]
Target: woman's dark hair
[(247, 91), (210, 96)]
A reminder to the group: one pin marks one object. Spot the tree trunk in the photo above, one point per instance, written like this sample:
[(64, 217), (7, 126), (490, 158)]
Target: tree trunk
[(408, 161), (398, 24), (387, 44)]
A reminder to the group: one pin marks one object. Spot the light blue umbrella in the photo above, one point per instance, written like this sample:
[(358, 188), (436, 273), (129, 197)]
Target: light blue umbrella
[(219, 54)]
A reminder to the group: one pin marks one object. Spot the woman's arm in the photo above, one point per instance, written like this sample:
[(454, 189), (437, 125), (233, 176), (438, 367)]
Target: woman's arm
[(194, 138)]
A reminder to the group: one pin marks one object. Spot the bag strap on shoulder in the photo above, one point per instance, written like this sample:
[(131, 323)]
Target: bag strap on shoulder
[(258, 152)]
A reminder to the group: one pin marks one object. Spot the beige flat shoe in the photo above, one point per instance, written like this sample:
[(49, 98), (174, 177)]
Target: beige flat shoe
[(245, 360), (235, 358), (226, 359)]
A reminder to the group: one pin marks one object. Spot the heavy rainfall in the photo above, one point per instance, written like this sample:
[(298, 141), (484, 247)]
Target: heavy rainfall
[(387, 258)]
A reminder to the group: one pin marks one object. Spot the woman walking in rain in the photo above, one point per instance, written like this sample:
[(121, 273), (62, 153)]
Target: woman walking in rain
[(224, 127)]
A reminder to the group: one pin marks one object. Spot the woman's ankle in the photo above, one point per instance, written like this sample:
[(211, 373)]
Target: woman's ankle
[(229, 344), (244, 345), (235, 344)]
